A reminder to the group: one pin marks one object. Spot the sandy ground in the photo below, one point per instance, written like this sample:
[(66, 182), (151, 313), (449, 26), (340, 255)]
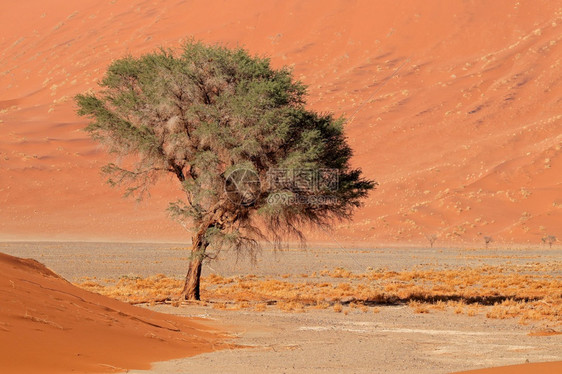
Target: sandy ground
[(395, 340), (465, 139), (74, 260)]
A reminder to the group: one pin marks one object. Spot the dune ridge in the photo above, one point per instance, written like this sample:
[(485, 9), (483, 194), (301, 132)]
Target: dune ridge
[(536, 367), (47, 325)]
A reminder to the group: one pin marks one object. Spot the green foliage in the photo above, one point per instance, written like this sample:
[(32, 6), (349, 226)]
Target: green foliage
[(208, 111)]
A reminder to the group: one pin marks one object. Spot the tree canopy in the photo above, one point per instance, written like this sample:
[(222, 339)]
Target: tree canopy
[(252, 160)]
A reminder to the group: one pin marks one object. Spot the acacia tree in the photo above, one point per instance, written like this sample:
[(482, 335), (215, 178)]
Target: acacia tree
[(549, 239), (236, 135), (431, 239)]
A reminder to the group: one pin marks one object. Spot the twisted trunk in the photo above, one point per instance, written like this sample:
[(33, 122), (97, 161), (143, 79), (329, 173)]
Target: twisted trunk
[(191, 289), (217, 218)]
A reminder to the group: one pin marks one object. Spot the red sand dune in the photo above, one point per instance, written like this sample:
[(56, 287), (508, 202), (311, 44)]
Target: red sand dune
[(535, 368), (465, 139), (48, 325)]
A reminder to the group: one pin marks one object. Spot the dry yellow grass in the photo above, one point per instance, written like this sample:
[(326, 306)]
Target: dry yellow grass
[(529, 292), (418, 307), (338, 307), (291, 306), (260, 307)]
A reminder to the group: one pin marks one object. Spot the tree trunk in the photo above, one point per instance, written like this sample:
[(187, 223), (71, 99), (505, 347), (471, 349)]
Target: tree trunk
[(192, 279)]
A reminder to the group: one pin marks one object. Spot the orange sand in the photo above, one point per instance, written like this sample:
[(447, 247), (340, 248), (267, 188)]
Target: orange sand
[(48, 325), (535, 368), (465, 139)]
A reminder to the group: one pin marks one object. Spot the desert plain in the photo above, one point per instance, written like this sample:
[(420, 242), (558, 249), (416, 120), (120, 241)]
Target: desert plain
[(362, 310)]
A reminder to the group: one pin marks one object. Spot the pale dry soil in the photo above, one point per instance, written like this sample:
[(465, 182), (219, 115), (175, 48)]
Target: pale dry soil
[(394, 340)]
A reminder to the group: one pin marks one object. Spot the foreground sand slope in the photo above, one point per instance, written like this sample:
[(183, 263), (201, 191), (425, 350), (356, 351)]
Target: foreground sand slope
[(536, 368), (465, 139), (48, 325)]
